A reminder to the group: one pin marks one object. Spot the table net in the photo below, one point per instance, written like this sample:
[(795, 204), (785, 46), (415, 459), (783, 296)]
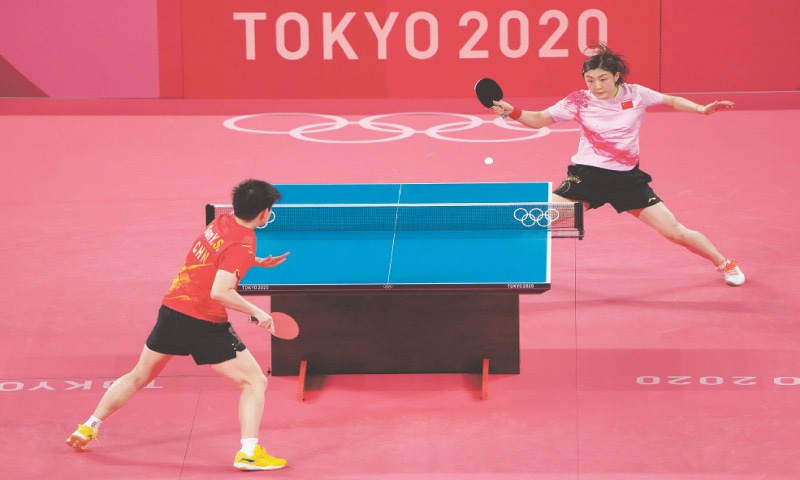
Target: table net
[(562, 219)]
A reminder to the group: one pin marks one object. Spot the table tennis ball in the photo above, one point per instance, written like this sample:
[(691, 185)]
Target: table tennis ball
[(488, 160)]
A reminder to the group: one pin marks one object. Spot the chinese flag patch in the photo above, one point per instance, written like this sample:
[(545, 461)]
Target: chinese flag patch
[(627, 104)]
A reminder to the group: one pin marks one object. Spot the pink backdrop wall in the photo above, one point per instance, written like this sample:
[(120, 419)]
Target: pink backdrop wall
[(730, 45), (314, 49), (404, 48), (81, 48)]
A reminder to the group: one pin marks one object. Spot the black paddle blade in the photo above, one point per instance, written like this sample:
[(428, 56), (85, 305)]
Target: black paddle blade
[(488, 91)]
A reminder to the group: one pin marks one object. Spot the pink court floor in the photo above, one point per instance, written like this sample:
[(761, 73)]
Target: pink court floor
[(639, 363)]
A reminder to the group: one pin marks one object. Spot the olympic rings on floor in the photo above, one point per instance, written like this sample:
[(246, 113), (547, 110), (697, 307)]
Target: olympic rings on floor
[(393, 129)]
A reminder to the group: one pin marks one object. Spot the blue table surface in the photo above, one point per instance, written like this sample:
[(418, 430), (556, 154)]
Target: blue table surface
[(411, 257)]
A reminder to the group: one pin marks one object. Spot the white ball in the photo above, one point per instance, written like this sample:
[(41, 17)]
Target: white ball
[(488, 160)]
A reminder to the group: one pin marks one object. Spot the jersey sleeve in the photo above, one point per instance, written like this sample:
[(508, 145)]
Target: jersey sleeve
[(649, 97), (561, 112), (237, 259), (567, 108)]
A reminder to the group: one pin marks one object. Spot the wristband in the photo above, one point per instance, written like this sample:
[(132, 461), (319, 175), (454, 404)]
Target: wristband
[(697, 108), (516, 113)]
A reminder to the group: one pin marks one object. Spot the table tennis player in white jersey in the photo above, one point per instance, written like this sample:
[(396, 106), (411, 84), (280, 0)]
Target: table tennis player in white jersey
[(605, 169)]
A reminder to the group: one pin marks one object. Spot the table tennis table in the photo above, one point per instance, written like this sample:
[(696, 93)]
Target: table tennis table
[(406, 278)]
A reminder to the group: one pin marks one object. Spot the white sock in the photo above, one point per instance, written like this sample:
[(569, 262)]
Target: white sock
[(249, 446), (93, 422), (720, 267)]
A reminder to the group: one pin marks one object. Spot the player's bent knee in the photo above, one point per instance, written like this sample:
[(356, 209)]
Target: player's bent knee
[(260, 382), (255, 385), (140, 377), (257, 381), (676, 233)]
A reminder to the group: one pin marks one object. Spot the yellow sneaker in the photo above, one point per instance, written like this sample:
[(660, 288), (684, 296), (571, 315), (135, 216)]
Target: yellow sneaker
[(259, 461), (81, 437)]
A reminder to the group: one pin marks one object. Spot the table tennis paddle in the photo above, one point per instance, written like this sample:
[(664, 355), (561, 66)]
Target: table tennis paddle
[(286, 327), (488, 92)]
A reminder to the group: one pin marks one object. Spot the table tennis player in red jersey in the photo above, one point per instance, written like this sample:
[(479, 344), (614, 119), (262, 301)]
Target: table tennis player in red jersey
[(605, 168), (193, 321)]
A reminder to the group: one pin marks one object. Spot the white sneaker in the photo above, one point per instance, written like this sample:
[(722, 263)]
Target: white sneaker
[(732, 273)]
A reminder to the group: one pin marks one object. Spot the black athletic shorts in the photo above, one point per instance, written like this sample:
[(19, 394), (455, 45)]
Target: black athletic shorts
[(208, 343), (628, 190)]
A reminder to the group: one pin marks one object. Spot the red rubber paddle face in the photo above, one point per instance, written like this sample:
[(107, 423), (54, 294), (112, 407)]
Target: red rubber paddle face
[(286, 327)]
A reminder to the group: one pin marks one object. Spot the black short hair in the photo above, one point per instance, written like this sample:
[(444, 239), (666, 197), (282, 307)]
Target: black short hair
[(606, 59), (252, 197)]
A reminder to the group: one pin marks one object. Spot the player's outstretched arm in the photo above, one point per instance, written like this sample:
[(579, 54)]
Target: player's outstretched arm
[(685, 105), (271, 261), (529, 118)]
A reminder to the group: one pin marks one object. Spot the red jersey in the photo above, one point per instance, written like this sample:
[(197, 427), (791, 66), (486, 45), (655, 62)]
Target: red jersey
[(224, 245)]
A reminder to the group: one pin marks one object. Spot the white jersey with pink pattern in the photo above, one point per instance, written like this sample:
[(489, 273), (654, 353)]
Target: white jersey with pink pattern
[(609, 128)]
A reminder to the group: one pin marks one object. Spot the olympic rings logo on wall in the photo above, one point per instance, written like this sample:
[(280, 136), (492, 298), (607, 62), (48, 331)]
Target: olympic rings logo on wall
[(393, 130), (536, 216)]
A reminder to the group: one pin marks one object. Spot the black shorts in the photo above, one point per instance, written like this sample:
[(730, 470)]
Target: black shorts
[(628, 190), (208, 343)]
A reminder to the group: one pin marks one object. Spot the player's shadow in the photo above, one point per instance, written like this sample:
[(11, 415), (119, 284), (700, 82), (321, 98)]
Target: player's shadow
[(314, 385)]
